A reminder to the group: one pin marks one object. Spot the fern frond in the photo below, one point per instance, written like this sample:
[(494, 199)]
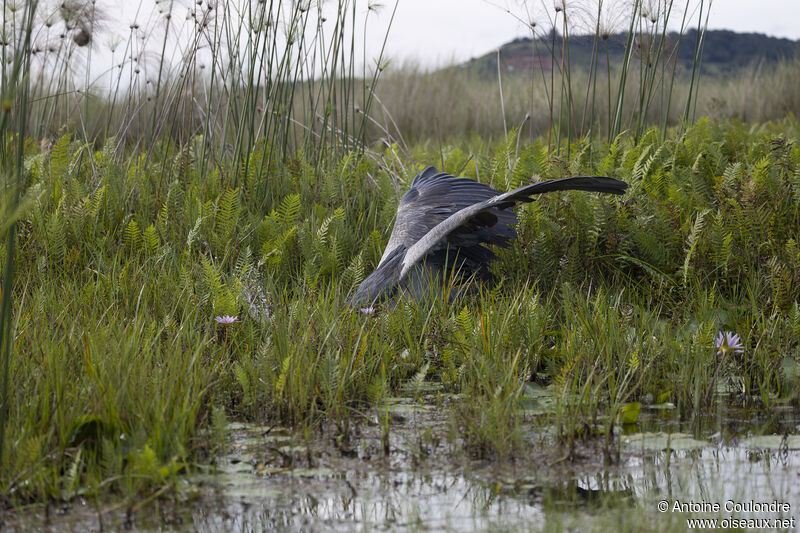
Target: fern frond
[(289, 209), (464, 320), (227, 214), (60, 157), (212, 277), (150, 239), (194, 232), (414, 384), (693, 239), (132, 236), (243, 263), (56, 237), (732, 175)]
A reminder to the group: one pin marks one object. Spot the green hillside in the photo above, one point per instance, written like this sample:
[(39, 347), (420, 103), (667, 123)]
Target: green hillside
[(724, 52)]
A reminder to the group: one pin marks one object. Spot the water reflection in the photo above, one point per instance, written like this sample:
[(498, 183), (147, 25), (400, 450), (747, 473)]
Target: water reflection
[(266, 482)]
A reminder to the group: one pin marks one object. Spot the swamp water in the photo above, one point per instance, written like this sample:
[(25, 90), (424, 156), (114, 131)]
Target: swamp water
[(730, 465)]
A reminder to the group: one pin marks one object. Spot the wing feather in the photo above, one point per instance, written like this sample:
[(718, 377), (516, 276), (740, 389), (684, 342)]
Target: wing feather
[(434, 196), (471, 221), (443, 218)]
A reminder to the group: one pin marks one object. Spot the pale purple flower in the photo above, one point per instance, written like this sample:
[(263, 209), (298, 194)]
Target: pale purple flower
[(728, 342), (367, 310), (226, 319)]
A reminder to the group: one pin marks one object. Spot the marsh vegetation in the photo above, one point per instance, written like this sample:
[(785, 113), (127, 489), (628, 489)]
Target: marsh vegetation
[(258, 178)]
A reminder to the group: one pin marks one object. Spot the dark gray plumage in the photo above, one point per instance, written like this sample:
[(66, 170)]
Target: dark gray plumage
[(446, 221)]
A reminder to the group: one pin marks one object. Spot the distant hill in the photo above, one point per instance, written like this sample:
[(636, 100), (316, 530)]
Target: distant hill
[(724, 52)]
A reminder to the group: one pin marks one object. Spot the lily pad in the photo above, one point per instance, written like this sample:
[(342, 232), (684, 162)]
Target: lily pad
[(426, 387), (664, 406), (791, 369), (536, 400), (246, 491), (278, 440), (662, 441), (534, 390), (313, 472), (407, 409), (629, 414), (772, 442)]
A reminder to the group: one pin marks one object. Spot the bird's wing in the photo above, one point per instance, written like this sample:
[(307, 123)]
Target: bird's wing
[(434, 196), (471, 225)]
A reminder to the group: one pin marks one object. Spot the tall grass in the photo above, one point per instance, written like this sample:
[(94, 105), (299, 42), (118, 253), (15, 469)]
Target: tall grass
[(559, 97), (272, 74), (762, 93), (228, 78), (14, 99), (648, 56)]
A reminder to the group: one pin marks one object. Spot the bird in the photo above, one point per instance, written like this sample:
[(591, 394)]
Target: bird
[(444, 223)]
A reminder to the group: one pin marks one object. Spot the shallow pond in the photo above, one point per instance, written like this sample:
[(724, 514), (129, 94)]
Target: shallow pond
[(732, 465)]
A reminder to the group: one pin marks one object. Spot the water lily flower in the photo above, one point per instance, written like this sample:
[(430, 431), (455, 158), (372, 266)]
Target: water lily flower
[(226, 319), (728, 342)]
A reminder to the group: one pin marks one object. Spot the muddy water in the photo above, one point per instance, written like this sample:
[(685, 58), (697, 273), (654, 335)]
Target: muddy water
[(733, 464)]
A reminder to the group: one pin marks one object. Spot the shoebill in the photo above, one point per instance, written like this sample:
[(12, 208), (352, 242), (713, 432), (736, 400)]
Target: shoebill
[(444, 222)]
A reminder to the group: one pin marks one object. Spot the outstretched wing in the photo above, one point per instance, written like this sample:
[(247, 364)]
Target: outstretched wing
[(472, 225), (434, 196)]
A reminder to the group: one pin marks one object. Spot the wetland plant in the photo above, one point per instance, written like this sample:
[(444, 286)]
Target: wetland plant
[(144, 215)]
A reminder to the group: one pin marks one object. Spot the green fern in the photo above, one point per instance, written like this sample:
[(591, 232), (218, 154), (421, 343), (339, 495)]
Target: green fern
[(150, 240), (464, 321), (641, 165), (414, 385), (794, 183), (794, 320), (107, 155), (377, 390), (227, 215), (243, 379), (60, 157), (732, 175), (212, 277), (194, 232), (289, 209), (244, 264), (354, 273), (608, 166), (56, 238), (780, 284), (280, 383), (571, 263), (79, 163), (761, 173), (96, 201), (692, 241), (132, 236), (654, 180), (274, 251)]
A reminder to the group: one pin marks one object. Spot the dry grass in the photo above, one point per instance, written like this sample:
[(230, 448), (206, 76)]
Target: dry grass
[(456, 103)]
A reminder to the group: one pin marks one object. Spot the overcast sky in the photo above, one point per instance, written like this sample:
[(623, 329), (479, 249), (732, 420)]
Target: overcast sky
[(435, 31), (438, 32)]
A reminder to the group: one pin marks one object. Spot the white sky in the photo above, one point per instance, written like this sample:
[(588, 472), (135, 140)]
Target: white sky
[(435, 31)]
